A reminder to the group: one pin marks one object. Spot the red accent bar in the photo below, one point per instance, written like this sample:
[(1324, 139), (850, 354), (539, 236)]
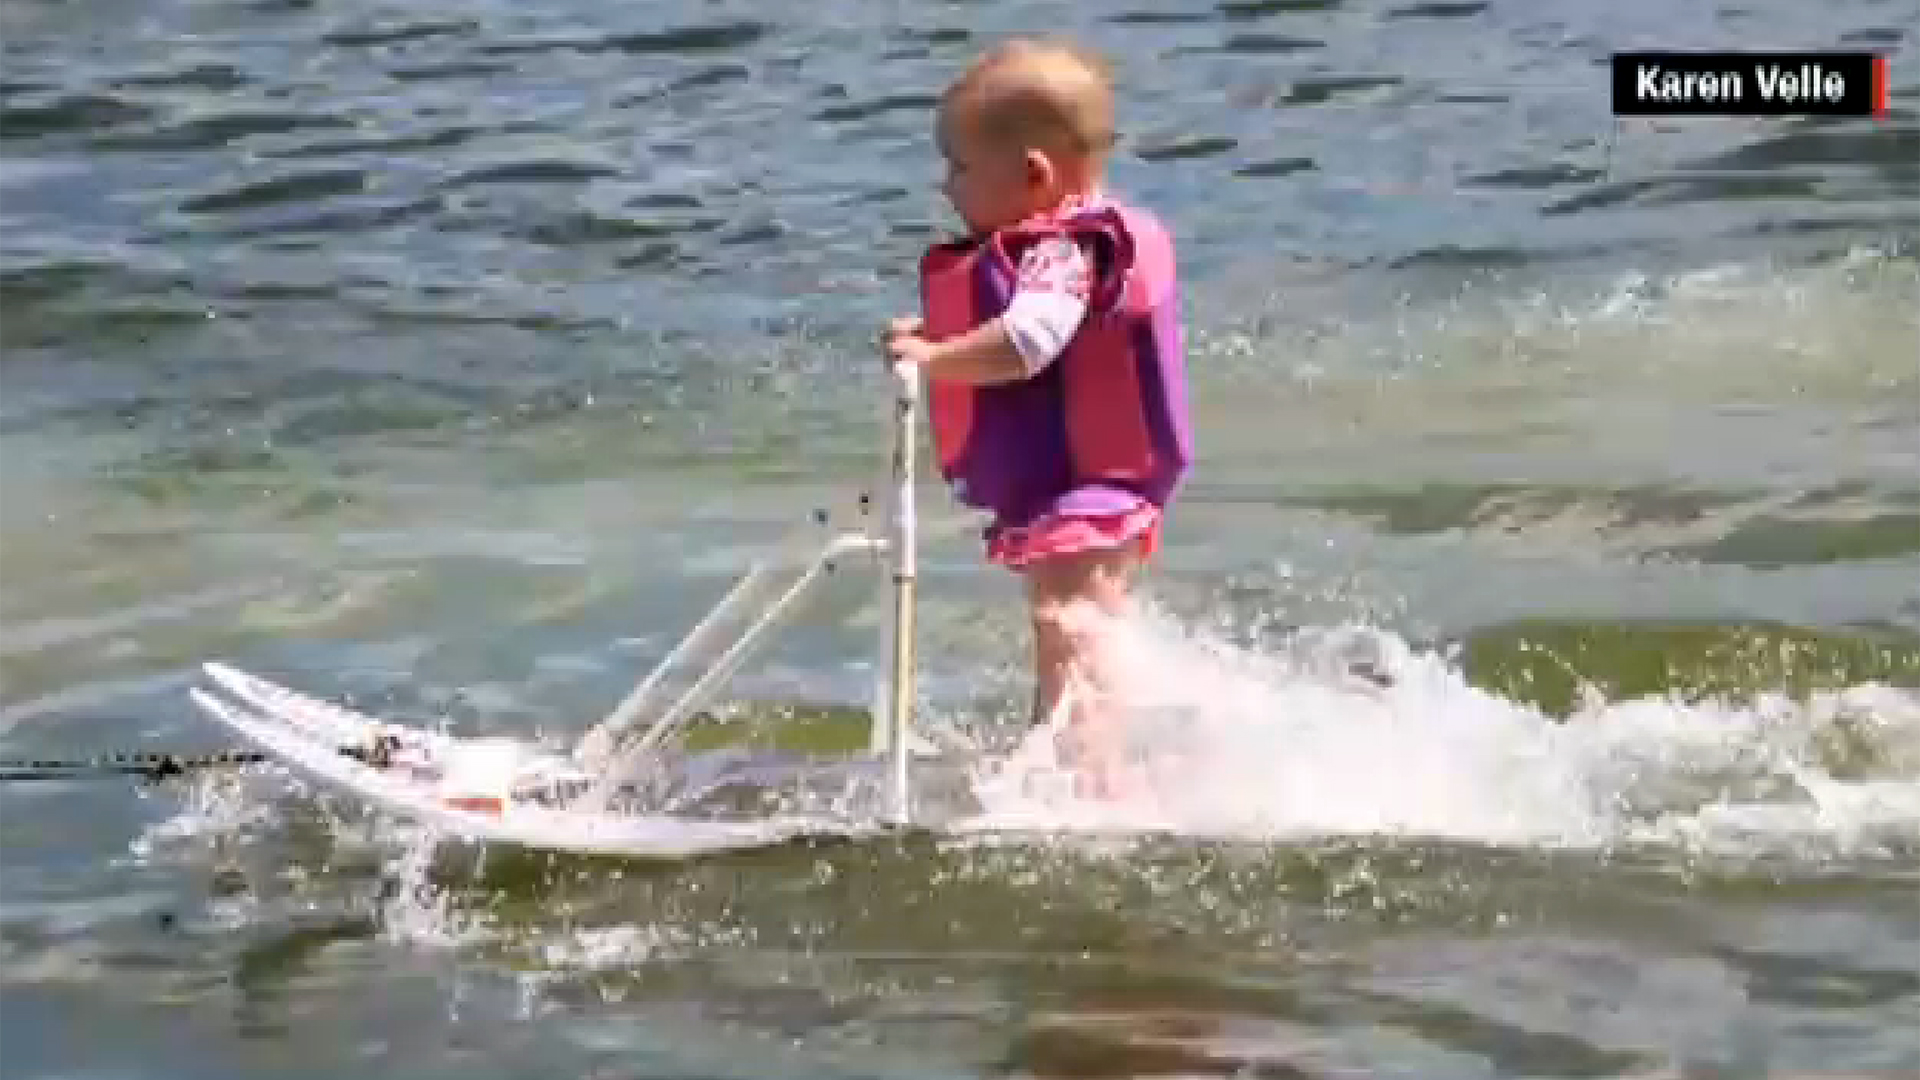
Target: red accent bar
[(482, 804)]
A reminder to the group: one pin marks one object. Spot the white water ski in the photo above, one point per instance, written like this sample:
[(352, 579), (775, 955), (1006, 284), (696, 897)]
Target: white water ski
[(486, 789)]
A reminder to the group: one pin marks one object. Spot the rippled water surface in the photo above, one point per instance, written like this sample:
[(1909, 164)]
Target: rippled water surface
[(451, 357)]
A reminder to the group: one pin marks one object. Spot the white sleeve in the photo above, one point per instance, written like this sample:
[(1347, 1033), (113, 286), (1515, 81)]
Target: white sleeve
[(1049, 301)]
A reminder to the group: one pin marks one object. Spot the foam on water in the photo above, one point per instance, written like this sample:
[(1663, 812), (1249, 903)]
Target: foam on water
[(1253, 745)]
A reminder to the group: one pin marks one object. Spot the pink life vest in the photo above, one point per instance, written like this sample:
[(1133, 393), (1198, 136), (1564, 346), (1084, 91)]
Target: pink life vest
[(1111, 410)]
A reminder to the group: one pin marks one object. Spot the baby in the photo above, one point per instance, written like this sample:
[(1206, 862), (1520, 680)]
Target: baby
[(1051, 348)]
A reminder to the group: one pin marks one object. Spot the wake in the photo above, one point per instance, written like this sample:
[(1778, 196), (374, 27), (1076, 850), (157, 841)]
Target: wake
[(1352, 731)]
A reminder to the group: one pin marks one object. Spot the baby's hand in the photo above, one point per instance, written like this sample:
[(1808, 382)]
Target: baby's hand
[(904, 345)]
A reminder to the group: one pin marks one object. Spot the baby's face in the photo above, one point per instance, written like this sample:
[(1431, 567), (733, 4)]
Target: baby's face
[(990, 185)]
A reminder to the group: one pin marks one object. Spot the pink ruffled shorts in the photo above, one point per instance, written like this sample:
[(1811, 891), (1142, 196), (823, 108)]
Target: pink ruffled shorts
[(1082, 520)]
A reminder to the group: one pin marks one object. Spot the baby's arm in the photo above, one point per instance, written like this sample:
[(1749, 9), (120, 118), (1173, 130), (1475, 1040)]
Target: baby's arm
[(1049, 301)]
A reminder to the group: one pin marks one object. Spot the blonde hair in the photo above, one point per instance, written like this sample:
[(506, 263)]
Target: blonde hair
[(1032, 92)]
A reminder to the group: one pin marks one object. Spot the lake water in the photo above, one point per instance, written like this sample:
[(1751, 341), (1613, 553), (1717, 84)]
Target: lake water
[(451, 357)]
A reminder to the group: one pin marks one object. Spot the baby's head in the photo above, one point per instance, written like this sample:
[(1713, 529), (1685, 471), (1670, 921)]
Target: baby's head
[(1027, 126)]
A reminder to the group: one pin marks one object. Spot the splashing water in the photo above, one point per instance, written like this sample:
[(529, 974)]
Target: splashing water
[(1237, 743)]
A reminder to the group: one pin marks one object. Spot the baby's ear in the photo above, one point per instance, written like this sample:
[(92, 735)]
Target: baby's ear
[(1040, 170)]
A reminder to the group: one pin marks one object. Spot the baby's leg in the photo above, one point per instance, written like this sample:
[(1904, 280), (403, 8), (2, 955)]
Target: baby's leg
[(1072, 599)]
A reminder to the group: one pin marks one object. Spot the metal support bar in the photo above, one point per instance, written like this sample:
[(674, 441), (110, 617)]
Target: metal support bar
[(901, 545), (619, 769), (599, 746)]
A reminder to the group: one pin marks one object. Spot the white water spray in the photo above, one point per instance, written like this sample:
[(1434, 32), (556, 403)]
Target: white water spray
[(1248, 745)]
